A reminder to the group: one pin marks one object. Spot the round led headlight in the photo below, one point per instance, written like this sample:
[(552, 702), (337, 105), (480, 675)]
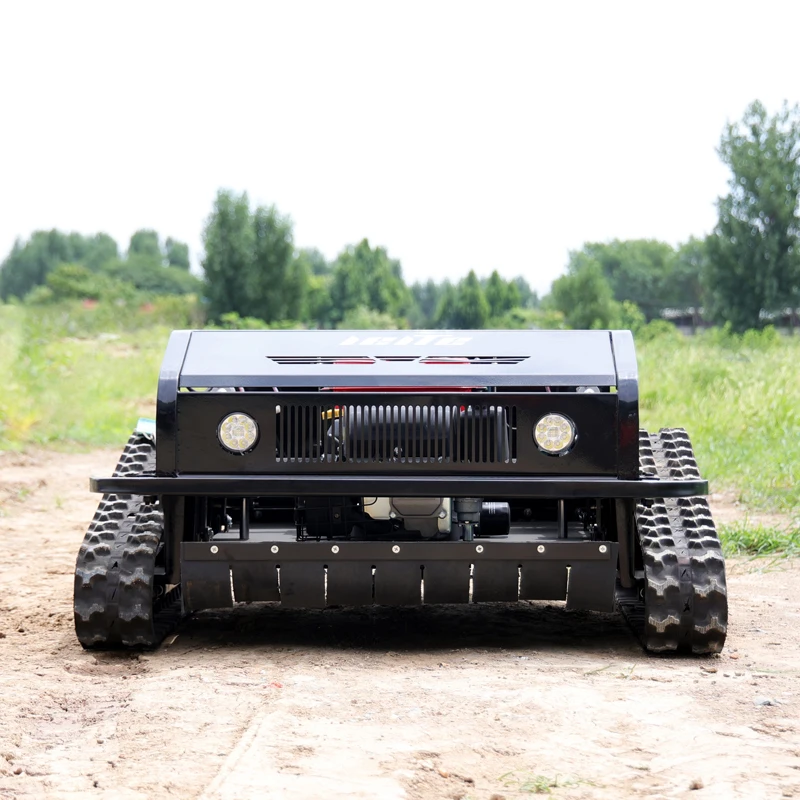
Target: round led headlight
[(238, 433), (554, 434)]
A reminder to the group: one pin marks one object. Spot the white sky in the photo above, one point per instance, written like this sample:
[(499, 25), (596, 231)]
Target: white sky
[(458, 135)]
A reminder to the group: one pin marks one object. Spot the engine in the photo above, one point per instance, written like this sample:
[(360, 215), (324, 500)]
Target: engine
[(414, 518)]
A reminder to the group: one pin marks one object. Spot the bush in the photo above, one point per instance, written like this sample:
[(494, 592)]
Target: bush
[(366, 319), (152, 277), (660, 329)]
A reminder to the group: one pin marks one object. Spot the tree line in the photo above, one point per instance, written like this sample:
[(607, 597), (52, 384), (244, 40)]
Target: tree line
[(53, 265), (747, 268)]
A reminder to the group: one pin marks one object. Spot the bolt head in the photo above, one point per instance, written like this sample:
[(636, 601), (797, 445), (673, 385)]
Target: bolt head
[(603, 548), (335, 548), (214, 549), (540, 548), (479, 548), (274, 548), (396, 548), (442, 514), (392, 515)]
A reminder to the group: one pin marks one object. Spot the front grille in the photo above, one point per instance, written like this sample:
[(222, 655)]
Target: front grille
[(396, 433)]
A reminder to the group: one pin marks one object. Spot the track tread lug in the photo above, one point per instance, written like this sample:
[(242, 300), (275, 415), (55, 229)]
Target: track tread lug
[(114, 601), (673, 615)]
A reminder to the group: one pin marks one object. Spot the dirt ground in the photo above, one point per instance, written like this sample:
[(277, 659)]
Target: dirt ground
[(451, 702)]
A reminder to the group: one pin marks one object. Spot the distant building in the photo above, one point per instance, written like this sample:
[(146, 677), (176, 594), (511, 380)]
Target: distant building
[(690, 320)]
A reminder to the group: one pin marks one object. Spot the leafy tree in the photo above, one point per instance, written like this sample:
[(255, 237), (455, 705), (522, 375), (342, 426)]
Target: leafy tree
[(470, 308), (296, 287), (638, 270), (177, 253), (687, 286), (527, 297), (319, 306), (425, 298), (248, 262), (273, 251), (366, 276), (145, 243), (229, 241), (501, 296), (446, 310), (315, 261), (754, 254), (100, 250), (584, 295)]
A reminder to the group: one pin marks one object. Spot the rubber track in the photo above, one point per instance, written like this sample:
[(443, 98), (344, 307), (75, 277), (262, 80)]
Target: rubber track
[(115, 603), (685, 603)]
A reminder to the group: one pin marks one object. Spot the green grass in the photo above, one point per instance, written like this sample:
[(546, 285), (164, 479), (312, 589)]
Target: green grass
[(745, 538), (66, 385), (739, 399)]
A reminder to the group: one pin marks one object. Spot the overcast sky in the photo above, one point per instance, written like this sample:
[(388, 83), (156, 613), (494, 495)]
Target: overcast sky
[(458, 135)]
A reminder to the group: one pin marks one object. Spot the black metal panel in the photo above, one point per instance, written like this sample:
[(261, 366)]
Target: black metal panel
[(592, 585), (166, 406), (302, 584), (495, 581), (628, 397), (349, 583), (488, 487), (543, 580), (206, 569), (398, 583), (446, 581), (303, 441), (255, 582), (398, 358), (205, 584)]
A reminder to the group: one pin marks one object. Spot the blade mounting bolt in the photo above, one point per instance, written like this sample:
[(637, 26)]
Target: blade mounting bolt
[(274, 548), (335, 548), (396, 548), (214, 549), (540, 548), (479, 548), (603, 548)]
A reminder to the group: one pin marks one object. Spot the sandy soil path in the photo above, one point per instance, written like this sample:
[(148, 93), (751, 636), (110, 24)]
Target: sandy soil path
[(481, 702)]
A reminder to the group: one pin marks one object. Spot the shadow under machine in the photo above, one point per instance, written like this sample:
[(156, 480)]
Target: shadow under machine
[(326, 468)]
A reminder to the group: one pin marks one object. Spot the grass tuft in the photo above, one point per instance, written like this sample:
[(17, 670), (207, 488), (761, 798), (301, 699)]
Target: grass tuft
[(530, 783), (743, 538)]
